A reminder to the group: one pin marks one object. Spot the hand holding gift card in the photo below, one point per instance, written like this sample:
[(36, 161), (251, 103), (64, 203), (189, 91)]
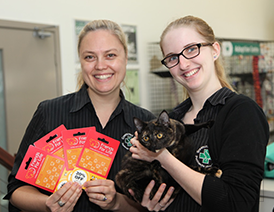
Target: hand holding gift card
[(94, 161), (62, 155)]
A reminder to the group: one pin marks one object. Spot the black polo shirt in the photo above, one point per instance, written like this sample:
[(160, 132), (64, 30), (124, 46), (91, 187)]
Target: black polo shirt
[(210, 110), (75, 110)]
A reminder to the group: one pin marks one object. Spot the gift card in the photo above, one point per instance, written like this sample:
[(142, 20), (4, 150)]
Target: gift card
[(52, 142), (73, 141), (98, 154), (41, 169), (77, 155)]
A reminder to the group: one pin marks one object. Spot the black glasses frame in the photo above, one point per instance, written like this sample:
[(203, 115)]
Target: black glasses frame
[(199, 45)]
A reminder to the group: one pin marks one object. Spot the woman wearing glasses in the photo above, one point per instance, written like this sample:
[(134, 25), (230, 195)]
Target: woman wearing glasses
[(236, 143)]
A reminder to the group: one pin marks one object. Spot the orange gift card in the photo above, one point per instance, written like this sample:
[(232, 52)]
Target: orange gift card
[(73, 141), (52, 142), (41, 169), (98, 154)]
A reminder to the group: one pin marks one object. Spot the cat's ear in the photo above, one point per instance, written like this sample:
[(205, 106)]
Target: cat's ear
[(139, 124), (164, 118)]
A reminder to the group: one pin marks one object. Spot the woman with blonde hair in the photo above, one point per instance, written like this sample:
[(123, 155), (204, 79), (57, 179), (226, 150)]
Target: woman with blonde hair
[(99, 102)]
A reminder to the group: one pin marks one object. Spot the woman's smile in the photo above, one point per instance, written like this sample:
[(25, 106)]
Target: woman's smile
[(103, 76), (190, 73)]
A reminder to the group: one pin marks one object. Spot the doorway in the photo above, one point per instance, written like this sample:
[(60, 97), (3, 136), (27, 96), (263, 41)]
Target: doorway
[(31, 73)]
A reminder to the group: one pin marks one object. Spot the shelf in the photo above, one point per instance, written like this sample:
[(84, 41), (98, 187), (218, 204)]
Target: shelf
[(248, 77), (163, 74)]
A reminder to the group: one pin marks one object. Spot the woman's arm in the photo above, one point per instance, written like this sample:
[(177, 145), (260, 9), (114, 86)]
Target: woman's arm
[(190, 180), (238, 144), (28, 198)]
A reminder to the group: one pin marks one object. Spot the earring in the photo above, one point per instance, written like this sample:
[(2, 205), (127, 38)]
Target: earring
[(215, 56)]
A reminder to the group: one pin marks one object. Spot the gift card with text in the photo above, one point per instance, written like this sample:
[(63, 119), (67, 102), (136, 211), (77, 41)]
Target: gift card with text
[(74, 140), (52, 142), (98, 154), (41, 169)]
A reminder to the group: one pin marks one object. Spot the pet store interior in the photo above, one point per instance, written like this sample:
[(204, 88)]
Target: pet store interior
[(39, 60)]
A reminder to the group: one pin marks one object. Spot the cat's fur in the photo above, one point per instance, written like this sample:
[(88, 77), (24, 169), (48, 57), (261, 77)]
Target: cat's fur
[(173, 135)]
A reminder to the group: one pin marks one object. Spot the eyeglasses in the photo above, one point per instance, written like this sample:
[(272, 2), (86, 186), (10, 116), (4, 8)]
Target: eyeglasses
[(189, 52)]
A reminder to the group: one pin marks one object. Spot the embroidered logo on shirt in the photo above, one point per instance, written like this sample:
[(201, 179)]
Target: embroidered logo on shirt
[(203, 158), (126, 140)]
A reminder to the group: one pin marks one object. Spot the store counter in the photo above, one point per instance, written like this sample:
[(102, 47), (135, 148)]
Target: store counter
[(267, 196)]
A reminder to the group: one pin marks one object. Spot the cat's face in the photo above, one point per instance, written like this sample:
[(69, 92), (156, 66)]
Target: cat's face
[(156, 134)]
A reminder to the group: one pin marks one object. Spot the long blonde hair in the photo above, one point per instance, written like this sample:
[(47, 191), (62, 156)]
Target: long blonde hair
[(206, 31), (111, 26)]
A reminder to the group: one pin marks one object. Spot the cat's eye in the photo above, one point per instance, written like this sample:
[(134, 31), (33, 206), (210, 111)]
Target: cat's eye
[(159, 135), (146, 138)]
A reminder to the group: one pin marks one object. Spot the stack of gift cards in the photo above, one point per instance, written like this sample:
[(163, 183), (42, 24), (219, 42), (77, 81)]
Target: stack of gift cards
[(63, 155)]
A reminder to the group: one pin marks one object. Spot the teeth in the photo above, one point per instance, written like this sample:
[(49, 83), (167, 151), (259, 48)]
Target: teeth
[(103, 76), (191, 73)]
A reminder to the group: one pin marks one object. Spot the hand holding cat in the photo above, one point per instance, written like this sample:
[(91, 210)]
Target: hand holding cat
[(142, 153), (155, 204)]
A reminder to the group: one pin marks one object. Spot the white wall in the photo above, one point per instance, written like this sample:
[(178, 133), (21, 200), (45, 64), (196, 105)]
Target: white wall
[(244, 19)]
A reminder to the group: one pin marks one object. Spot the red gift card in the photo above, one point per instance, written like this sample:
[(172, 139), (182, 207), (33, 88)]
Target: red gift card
[(64, 155), (74, 141), (98, 154), (41, 169), (52, 142)]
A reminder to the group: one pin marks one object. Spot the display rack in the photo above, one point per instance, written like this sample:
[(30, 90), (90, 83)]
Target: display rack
[(164, 92), (251, 73)]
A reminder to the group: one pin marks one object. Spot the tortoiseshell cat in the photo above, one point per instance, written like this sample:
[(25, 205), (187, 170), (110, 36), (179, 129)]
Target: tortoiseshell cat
[(155, 135)]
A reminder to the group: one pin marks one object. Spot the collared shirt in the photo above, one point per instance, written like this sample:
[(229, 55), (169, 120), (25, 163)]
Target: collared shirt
[(76, 111), (210, 110)]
